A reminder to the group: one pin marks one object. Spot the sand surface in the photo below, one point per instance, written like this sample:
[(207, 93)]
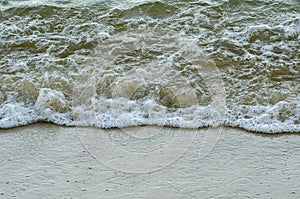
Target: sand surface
[(49, 161)]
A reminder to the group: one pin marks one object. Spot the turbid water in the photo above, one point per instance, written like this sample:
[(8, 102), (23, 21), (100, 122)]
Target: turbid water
[(171, 63)]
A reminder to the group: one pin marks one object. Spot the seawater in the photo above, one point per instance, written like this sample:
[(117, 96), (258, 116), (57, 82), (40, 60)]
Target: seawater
[(185, 63)]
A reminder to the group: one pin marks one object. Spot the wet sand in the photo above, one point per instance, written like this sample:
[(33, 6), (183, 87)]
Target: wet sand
[(50, 161)]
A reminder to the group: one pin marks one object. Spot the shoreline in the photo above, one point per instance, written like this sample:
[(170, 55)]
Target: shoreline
[(258, 133)]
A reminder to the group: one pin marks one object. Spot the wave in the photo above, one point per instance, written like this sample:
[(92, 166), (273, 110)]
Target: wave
[(188, 64)]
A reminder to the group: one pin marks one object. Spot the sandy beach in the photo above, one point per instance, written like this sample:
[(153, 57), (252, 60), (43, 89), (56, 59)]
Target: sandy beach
[(50, 161)]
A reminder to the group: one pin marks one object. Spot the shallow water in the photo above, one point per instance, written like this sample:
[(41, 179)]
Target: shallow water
[(186, 64)]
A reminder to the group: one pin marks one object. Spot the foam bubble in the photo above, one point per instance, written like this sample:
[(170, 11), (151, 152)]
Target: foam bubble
[(50, 100)]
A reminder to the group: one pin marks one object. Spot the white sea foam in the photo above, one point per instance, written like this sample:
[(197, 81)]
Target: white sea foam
[(115, 67)]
